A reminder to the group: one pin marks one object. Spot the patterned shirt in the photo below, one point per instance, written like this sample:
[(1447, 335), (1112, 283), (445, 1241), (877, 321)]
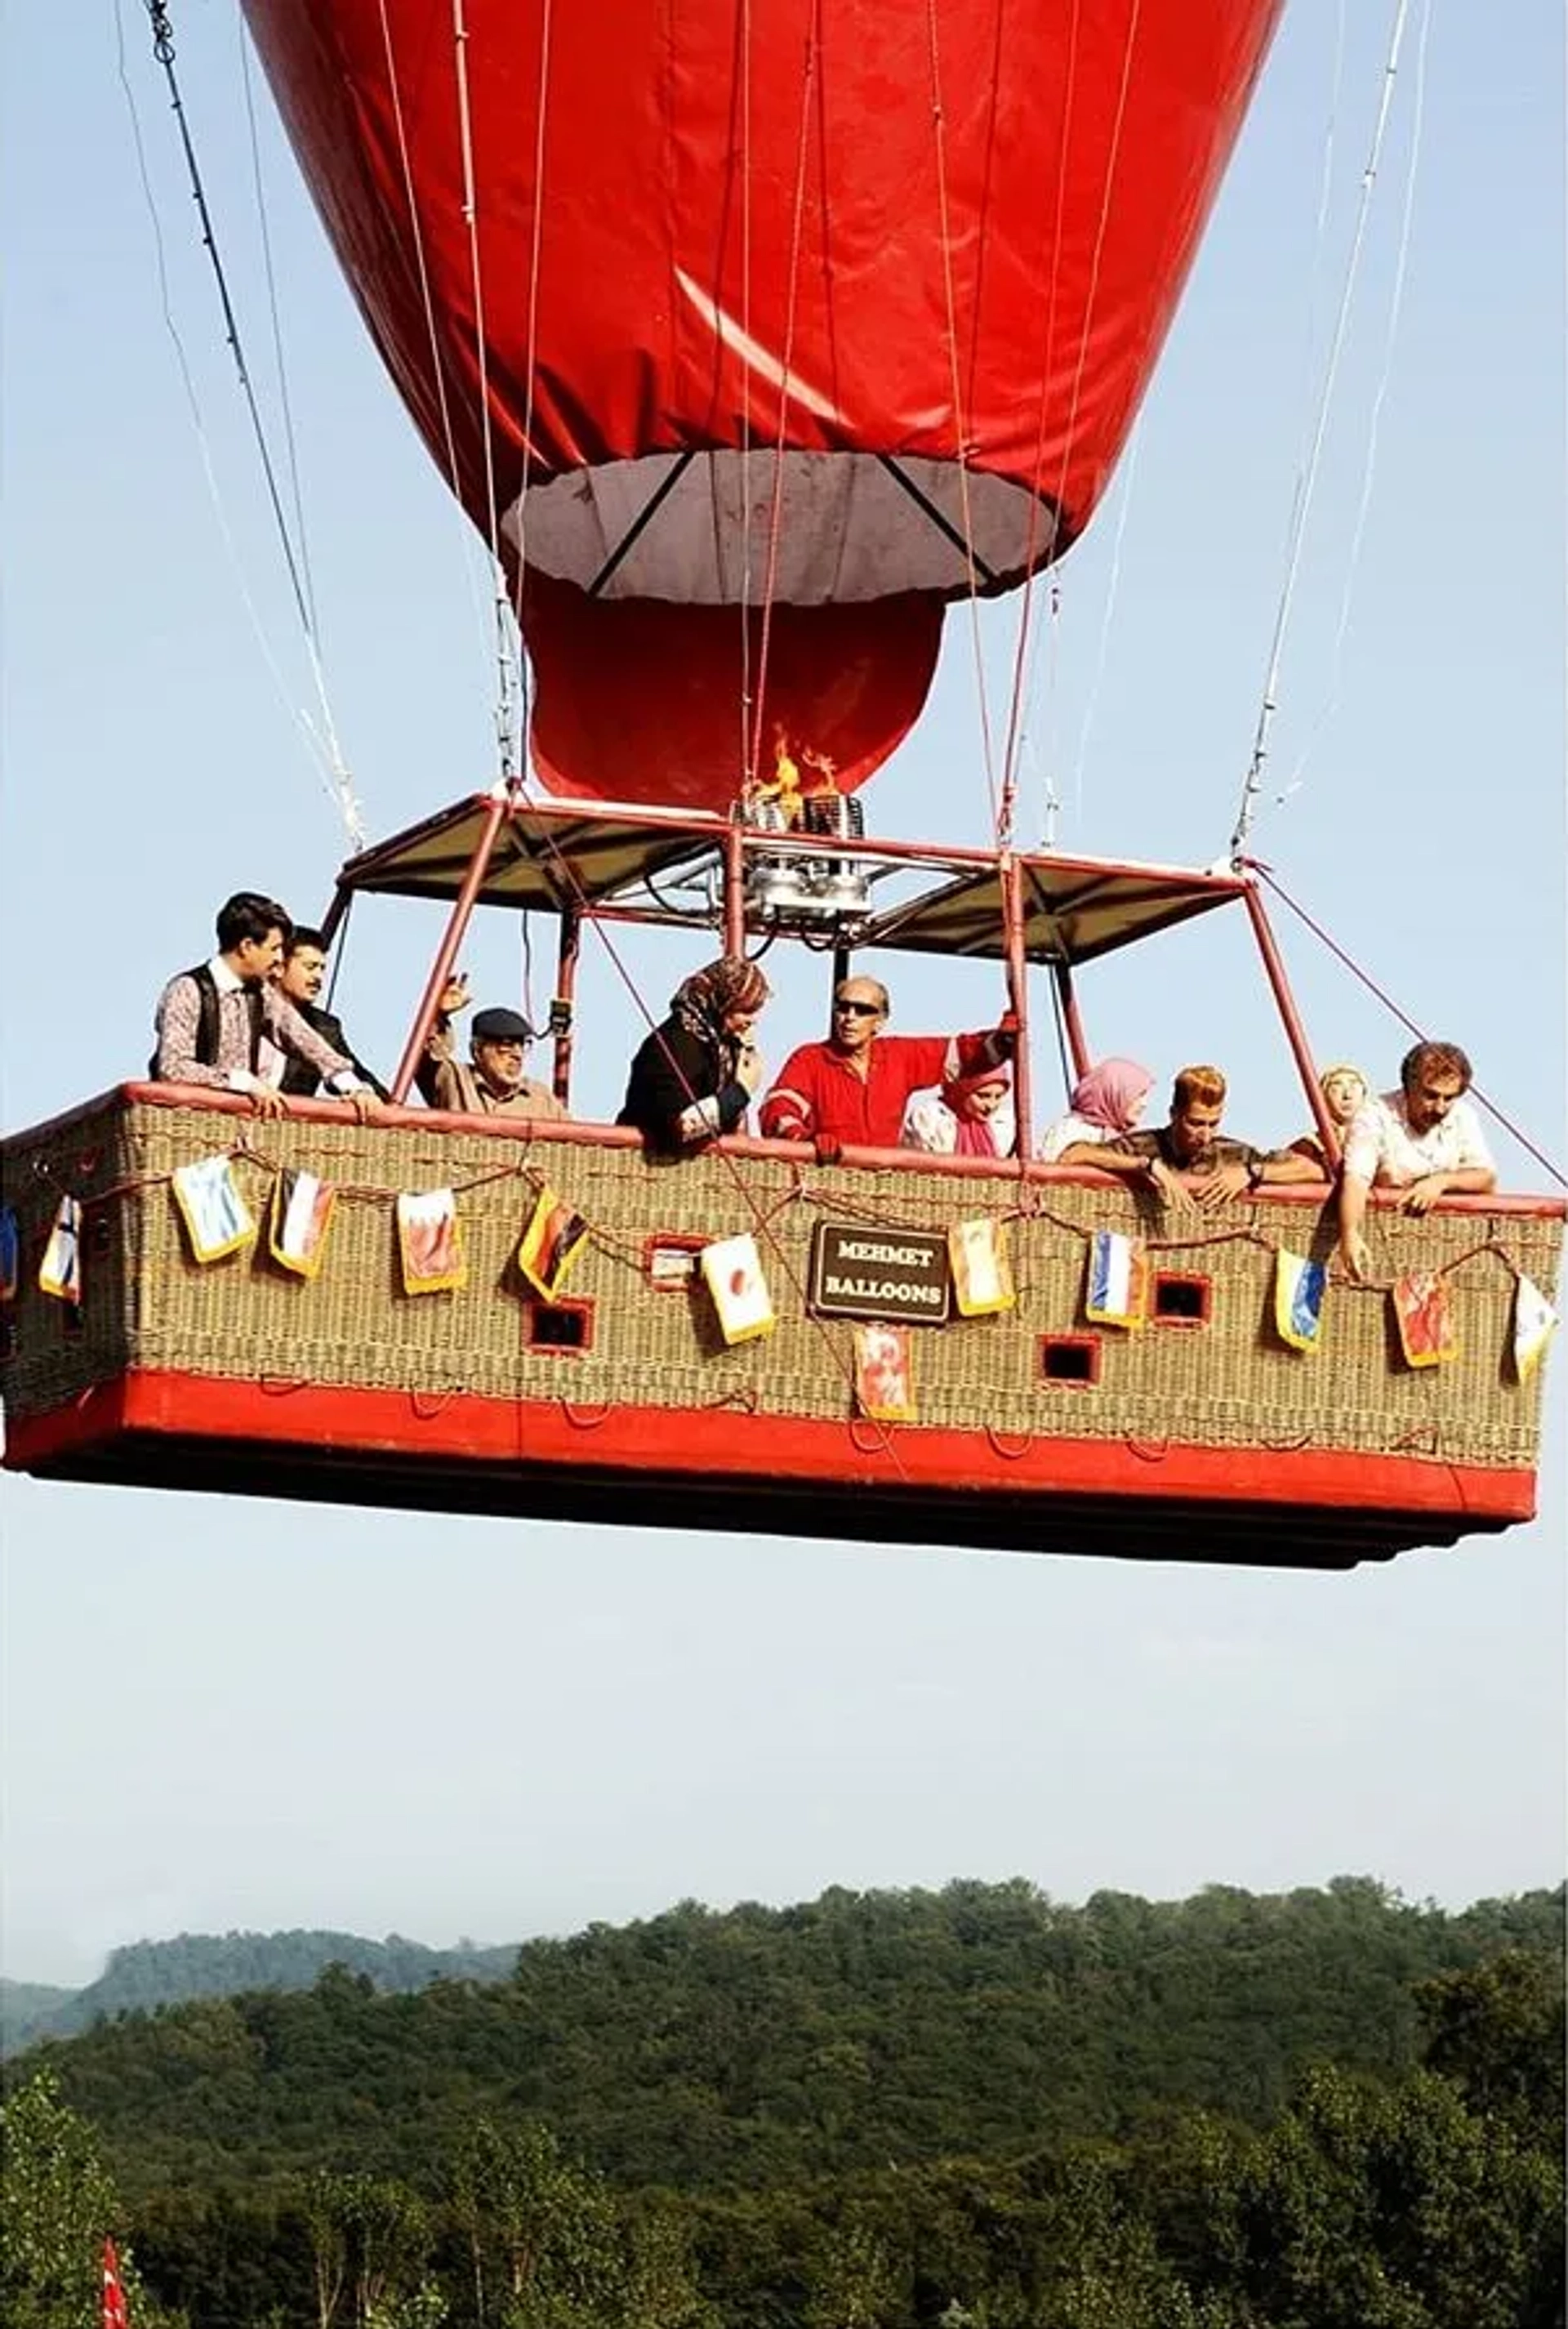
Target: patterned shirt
[(1221, 1151), (179, 1022), (1381, 1147)]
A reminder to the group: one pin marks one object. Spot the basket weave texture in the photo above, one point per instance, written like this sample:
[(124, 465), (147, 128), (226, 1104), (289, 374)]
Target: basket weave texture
[(1227, 1382)]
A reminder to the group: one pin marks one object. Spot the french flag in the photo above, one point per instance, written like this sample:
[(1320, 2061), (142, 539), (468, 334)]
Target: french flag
[(1117, 1289)]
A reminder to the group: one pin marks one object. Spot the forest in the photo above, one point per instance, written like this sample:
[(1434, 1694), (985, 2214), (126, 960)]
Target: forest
[(149, 1973), (1330, 2109)]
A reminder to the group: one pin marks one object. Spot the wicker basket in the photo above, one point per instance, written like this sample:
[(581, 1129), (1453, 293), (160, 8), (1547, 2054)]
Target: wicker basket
[(1221, 1379)]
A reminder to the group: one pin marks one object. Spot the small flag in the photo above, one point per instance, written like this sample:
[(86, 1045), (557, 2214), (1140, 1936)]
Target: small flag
[(301, 1215), (59, 1271), (885, 1373), (430, 1240), (732, 1272), (10, 1254), (1298, 1287), (114, 2315), (217, 1219), (1534, 1323), (1427, 1334), (1117, 1293), (551, 1242), (982, 1279)]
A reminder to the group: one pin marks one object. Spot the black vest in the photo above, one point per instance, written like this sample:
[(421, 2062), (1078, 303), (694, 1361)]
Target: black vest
[(207, 1021)]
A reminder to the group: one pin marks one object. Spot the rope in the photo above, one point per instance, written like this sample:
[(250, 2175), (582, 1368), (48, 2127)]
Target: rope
[(744, 595), (775, 514), (1369, 466), (284, 402), (1307, 478), (1009, 770), (1409, 1024), (535, 254), (437, 365), (950, 297), (1112, 589), (322, 740), (505, 698)]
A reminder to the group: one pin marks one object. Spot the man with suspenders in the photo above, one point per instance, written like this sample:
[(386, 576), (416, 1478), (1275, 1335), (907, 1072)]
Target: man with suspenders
[(212, 1019)]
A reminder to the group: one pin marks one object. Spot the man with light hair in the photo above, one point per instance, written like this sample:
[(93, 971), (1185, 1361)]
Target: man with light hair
[(1188, 1161), (1425, 1138)]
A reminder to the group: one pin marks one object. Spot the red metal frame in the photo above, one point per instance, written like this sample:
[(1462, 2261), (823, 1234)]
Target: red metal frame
[(1295, 1032), (566, 990), (1018, 978), (456, 929), (1078, 1050), (1531, 1207)]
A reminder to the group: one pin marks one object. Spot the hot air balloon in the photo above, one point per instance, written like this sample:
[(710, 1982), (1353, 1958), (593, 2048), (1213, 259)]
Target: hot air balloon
[(751, 336)]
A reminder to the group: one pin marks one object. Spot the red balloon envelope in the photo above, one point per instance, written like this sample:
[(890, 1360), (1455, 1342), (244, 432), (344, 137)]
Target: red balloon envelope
[(742, 327)]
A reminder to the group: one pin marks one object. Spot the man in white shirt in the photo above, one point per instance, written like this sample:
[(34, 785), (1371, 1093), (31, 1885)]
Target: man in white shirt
[(1425, 1138)]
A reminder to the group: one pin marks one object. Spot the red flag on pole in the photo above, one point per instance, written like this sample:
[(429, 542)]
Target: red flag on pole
[(114, 2315)]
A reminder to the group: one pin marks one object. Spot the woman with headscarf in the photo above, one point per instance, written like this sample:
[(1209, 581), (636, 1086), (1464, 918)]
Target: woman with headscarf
[(694, 1076), (1346, 1093), (1101, 1106), (973, 1116)]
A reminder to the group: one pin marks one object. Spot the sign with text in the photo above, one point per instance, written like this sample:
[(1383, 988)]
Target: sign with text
[(867, 1272)]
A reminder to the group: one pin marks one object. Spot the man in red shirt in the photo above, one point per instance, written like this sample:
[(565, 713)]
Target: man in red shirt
[(853, 1089)]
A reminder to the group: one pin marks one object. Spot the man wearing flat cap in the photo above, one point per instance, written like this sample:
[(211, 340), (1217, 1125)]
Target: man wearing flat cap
[(492, 1081)]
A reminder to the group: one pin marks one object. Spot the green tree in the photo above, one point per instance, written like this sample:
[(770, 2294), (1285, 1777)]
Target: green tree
[(56, 2208)]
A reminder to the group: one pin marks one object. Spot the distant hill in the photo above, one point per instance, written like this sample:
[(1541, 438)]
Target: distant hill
[(147, 1974), (707, 2050), (27, 2009)]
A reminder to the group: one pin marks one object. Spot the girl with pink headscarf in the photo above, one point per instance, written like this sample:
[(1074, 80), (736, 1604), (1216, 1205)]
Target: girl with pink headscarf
[(973, 1116), (1101, 1106)]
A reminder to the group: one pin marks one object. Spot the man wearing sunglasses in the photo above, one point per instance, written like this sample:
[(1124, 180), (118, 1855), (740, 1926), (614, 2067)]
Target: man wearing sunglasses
[(853, 1089)]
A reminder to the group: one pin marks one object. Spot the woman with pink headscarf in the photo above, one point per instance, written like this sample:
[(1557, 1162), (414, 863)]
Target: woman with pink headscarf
[(1102, 1105), (973, 1116)]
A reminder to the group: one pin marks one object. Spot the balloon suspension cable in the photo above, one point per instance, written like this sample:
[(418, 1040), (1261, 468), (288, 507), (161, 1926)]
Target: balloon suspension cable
[(1375, 424), (437, 365), (743, 739), (776, 512), (505, 703), (1000, 819), (536, 247), (1102, 653), (320, 732), (1021, 664), (1307, 475), (571, 886), (1349, 963)]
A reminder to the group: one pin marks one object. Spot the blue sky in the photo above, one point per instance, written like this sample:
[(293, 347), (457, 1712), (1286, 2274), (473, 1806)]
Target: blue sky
[(219, 1715)]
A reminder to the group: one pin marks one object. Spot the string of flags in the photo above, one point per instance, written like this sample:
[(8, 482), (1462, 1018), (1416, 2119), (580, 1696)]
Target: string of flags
[(219, 1221)]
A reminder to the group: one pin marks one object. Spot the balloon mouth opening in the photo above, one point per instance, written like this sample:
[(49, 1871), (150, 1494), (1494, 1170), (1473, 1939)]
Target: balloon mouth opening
[(729, 528)]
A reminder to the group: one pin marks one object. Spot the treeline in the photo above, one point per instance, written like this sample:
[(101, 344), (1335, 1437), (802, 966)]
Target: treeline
[(761, 2047), (1430, 2201), (149, 1974)]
